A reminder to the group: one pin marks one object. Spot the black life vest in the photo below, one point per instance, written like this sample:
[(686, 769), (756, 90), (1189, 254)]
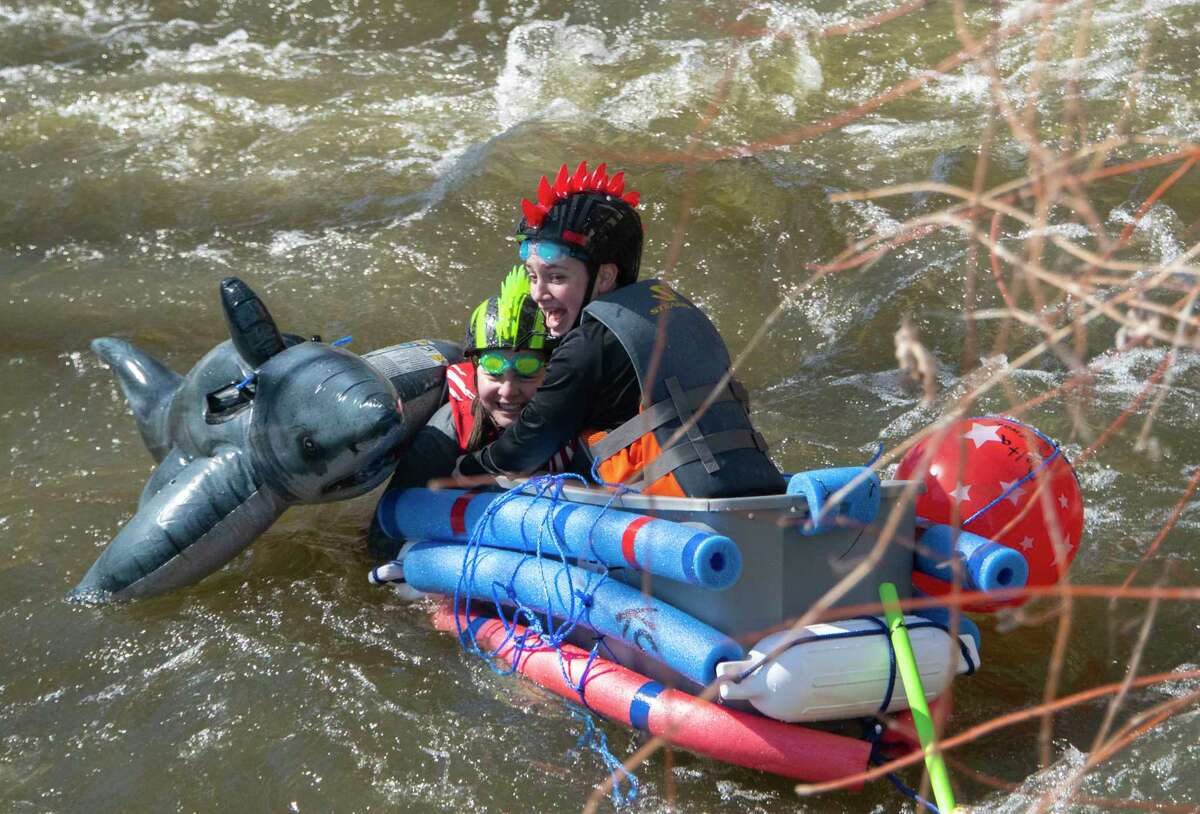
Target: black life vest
[(718, 455)]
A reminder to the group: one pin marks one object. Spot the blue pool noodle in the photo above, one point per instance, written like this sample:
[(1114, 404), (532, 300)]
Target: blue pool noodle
[(662, 547), (987, 565), (688, 646), (858, 508)]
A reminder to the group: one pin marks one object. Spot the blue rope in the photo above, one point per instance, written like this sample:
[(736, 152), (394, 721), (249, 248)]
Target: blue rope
[(597, 741), (856, 634), (874, 736), (620, 488), (1028, 476), (567, 606), (892, 666), (908, 792), (572, 608)]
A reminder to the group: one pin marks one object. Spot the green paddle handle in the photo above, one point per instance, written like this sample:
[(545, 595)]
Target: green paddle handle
[(910, 676)]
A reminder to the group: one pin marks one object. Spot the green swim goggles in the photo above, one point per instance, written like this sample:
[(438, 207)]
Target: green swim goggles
[(527, 365)]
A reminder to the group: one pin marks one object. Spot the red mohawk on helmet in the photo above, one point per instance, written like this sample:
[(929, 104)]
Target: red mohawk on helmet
[(589, 210), (567, 184)]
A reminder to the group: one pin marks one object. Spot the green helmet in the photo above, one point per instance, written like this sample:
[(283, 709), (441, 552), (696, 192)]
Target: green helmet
[(511, 321)]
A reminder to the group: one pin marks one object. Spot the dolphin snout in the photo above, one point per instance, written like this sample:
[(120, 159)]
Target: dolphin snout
[(386, 411), (373, 447), (378, 405)]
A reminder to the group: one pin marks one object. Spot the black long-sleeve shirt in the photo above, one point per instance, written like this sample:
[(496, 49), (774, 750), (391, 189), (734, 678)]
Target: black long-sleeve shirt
[(590, 384)]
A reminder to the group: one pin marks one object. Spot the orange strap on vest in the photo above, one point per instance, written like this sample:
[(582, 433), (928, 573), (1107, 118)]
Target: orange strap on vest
[(631, 451)]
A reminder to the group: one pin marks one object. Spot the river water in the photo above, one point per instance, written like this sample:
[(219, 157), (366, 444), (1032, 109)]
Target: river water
[(359, 163)]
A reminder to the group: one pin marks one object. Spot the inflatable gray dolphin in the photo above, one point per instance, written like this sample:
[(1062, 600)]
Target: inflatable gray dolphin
[(263, 421)]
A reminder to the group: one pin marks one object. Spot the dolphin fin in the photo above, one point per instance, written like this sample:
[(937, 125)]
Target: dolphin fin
[(149, 386), (209, 511), (166, 471), (251, 327)]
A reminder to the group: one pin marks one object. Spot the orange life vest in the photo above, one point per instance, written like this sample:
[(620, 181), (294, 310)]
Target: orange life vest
[(625, 465)]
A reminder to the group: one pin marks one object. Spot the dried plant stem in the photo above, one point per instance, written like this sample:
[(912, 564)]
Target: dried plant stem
[(995, 724), (874, 21), (986, 779), (1176, 512), (839, 121), (1064, 277)]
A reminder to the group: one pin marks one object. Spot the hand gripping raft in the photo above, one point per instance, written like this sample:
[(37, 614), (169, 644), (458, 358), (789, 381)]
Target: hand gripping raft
[(690, 647), (615, 538)]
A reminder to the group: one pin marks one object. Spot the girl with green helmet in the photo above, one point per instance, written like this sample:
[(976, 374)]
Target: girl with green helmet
[(507, 347)]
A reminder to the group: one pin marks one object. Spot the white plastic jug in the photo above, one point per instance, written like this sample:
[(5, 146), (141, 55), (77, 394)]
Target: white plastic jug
[(825, 675)]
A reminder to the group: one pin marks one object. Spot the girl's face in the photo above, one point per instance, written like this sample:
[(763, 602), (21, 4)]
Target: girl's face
[(504, 396), (558, 287)]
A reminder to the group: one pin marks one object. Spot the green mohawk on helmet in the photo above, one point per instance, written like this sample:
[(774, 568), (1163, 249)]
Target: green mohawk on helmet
[(511, 321)]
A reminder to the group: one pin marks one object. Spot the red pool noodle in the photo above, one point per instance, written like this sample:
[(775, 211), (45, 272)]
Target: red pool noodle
[(724, 734)]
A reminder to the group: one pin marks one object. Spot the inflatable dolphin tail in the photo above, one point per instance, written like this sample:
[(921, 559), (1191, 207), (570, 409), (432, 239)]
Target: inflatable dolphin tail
[(148, 385)]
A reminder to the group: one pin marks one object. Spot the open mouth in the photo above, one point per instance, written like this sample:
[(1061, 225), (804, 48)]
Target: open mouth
[(365, 475)]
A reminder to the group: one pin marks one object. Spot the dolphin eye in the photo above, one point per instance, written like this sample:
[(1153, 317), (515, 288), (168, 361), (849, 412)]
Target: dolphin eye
[(308, 447)]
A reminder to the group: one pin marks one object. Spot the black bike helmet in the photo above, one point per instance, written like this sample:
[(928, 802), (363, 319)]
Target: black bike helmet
[(591, 212)]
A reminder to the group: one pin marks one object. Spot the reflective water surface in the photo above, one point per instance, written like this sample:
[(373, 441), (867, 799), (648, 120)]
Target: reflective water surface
[(359, 163)]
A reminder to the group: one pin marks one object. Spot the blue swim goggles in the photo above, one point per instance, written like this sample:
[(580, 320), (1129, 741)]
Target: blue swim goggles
[(549, 252)]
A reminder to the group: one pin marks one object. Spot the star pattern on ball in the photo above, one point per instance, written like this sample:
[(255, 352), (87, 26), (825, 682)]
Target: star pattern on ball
[(1061, 550), (962, 492), (1062, 501), (1026, 544), (982, 433), (1013, 497)]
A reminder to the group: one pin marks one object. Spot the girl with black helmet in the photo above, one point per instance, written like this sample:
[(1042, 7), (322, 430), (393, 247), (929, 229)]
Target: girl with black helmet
[(634, 362)]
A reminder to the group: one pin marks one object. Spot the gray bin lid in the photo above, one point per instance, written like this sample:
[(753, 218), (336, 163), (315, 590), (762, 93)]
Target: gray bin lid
[(656, 503)]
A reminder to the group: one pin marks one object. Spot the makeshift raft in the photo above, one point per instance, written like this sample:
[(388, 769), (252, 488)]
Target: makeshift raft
[(537, 574), (632, 605)]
